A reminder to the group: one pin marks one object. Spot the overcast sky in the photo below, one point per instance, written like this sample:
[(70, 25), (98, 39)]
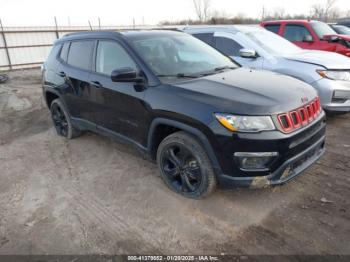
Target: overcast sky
[(121, 12)]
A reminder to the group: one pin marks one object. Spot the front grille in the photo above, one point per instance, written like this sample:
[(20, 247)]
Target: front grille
[(300, 117)]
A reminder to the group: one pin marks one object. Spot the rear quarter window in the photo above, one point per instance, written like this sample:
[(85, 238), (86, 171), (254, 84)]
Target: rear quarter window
[(206, 37), (64, 51), (80, 54), (53, 54), (275, 28)]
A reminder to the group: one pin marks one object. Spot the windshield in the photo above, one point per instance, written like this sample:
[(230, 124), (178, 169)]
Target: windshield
[(343, 30), (322, 29), (180, 55), (270, 42)]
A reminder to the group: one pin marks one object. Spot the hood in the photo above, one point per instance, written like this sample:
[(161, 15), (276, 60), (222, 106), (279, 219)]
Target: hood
[(329, 60), (248, 92), (345, 37)]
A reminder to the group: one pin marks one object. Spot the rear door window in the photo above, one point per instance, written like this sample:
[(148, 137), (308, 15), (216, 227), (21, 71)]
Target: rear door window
[(64, 51), (227, 46), (275, 28), (80, 54), (296, 33), (206, 37)]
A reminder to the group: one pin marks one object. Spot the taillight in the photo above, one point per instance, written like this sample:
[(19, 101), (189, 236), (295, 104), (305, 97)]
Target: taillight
[(300, 117)]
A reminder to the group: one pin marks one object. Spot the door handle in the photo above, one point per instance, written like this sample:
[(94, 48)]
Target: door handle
[(62, 74), (96, 84)]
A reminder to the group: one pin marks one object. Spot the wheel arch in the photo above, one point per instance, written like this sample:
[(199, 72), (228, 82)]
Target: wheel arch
[(50, 96), (153, 141)]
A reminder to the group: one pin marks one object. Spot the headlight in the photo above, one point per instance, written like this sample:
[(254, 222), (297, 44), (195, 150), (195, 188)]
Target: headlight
[(335, 74), (245, 123)]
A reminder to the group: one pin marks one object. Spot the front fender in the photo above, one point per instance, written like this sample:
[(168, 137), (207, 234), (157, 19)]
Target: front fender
[(193, 131)]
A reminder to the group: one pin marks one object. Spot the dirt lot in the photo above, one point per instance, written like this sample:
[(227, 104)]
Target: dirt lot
[(94, 196)]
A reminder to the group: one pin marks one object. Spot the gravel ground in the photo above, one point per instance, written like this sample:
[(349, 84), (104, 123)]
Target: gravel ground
[(92, 195)]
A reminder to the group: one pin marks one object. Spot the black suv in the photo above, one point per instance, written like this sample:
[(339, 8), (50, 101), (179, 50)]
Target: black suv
[(202, 117)]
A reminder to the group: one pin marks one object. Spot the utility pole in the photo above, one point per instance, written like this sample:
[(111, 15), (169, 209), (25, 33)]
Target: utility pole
[(90, 25), (5, 45), (56, 26)]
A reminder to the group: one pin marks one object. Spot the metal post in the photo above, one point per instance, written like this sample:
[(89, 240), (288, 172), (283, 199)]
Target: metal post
[(57, 35), (99, 23), (90, 25), (5, 45)]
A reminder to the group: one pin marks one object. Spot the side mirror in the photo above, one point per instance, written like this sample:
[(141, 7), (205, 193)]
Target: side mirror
[(248, 53), (308, 39), (125, 74), (333, 38)]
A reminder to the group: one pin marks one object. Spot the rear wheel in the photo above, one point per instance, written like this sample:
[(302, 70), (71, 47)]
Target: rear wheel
[(61, 120), (185, 166)]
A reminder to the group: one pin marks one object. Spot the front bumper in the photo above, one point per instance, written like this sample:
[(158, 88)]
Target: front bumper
[(296, 152), (334, 95), (290, 169)]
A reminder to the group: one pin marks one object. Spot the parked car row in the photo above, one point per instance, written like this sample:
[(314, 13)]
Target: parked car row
[(340, 29), (231, 106), (255, 47), (308, 34)]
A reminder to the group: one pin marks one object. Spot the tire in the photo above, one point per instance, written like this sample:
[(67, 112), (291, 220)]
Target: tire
[(185, 166), (61, 120), (3, 78)]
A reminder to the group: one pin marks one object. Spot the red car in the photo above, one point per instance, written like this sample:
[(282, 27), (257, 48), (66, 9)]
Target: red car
[(310, 35)]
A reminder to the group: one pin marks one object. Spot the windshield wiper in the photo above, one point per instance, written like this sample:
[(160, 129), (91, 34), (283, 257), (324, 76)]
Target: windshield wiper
[(179, 75), (219, 68), (216, 70)]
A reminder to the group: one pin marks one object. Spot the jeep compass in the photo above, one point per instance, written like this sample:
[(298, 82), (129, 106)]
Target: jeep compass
[(203, 118)]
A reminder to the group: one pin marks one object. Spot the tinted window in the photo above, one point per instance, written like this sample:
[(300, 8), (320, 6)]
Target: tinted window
[(111, 56), (296, 33), (64, 51), (322, 29), (206, 37), (80, 54), (227, 46), (273, 28), (172, 54), (269, 42), (53, 54), (340, 29)]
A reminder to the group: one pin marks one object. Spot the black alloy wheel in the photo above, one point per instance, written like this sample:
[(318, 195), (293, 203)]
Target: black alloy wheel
[(59, 120), (181, 168), (185, 166)]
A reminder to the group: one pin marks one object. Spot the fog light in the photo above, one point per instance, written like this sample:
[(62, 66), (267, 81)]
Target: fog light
[(255, 161), (340, 96)]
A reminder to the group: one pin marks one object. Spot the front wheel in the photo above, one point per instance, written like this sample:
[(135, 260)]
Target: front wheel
[(185, 167)]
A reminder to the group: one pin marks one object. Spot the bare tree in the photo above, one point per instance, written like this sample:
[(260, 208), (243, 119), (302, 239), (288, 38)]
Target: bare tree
[(263, 13), (317, 12), (329, 9), (279, 13), (325, 12), (202, 9)]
